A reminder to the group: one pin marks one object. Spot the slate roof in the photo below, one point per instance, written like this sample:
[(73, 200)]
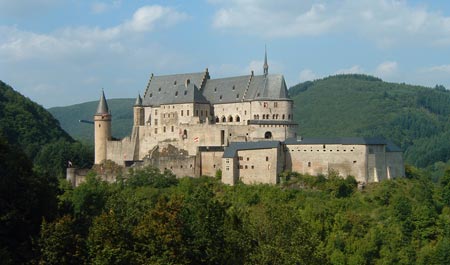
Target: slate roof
[(390, 147), (102, 107), (161, 89), (271, 122), (176, 94), (231, 150), (138, 100)]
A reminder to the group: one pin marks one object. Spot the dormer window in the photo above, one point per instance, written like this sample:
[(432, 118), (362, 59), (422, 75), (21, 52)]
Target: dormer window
[(185, 92), (220, 97), (176, 93), (215, 89), (257, 95), (237, 96), (234, 87), (174, 82), (159, 89), (151, 94)]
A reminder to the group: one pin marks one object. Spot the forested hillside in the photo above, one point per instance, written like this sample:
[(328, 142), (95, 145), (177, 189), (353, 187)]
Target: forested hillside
[(414, 117), (121, 109), (154, 218), (33, 129), (34, 152)]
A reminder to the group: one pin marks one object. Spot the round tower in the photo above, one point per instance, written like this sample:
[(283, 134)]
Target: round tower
[(102, 131), (138, 112)]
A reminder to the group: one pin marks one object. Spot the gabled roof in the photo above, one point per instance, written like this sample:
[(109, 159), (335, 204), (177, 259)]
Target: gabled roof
[(176, 95), (226, 90), (231, 150), (102, 107), (160, 87)]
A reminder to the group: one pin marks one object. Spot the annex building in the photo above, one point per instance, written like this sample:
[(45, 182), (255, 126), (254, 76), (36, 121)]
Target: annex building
[(244, 126)]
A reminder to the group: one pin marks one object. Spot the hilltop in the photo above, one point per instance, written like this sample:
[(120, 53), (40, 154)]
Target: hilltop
[(414, 117), (27, 126)]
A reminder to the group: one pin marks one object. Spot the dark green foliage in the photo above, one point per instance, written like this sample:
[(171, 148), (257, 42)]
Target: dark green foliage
[(25, 198), (306, 220), (33, 129), (415, 118), (121, 109), (150, 176)]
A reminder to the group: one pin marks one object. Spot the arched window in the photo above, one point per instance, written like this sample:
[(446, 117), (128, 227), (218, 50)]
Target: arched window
[(273, 116), (230, 118), (224, 119), (257, 116), (217, 119), (184, 134), (268, 135), (284, 116), (238, 119)]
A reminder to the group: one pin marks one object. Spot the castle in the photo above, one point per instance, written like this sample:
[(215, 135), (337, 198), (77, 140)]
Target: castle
[(244, 126)]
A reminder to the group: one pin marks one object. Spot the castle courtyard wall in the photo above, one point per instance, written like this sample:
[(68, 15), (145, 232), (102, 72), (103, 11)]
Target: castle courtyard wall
[(317, 159)]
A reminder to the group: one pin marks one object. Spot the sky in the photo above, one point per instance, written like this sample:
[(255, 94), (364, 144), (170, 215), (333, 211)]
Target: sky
[(63, 52)]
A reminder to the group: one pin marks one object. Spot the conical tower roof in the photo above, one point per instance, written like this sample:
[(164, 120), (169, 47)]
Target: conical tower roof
[(102, 105), (138, 100)]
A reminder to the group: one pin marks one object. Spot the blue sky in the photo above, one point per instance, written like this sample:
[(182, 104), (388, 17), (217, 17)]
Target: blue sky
[(62, 52)]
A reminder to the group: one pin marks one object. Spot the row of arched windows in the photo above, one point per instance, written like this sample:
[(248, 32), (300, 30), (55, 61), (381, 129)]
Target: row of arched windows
[(230, 119), (274, 116)]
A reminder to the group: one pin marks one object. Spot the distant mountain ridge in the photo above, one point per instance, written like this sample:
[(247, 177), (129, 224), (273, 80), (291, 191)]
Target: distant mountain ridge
[(414, 117), (69, 116)]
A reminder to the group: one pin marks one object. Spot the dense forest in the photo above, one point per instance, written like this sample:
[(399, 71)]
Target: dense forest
[(155, 218), (152, 217), (34, 152)]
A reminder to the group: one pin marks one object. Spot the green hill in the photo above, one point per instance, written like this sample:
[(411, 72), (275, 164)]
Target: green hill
[(31, 128), (27, 124), (121, 109), (414, 117)]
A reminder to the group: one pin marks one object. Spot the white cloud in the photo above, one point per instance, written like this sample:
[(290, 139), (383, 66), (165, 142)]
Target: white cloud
[(356, 69), (386, 69), (16, 44), (438, 69), (386, 22), (307, 75), (82, 58)]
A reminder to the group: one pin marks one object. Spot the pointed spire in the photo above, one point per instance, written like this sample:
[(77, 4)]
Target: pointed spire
[(138, 100), (102, 105), (266, 66)]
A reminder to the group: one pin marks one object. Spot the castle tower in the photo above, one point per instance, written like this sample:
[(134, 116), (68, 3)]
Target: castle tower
[(138, 112), (266, 66), (102, 129)]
